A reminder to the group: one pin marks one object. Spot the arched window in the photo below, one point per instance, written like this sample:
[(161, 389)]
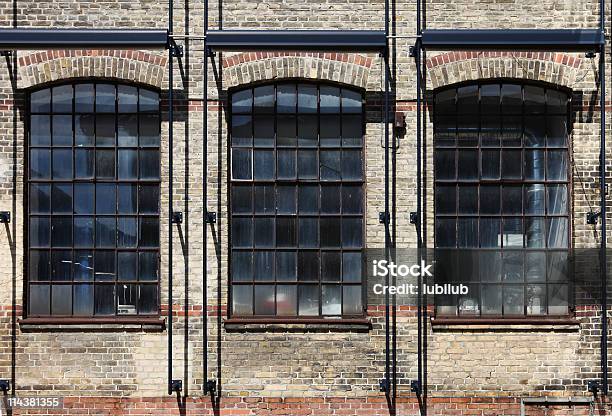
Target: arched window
[(502, 196), (93, 178), (297, 200)]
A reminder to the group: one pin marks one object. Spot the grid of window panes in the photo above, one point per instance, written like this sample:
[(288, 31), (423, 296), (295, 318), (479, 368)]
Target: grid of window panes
[(296, 201), (94, 181), (502, 184)]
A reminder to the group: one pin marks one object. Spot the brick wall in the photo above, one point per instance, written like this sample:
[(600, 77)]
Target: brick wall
[(290, 369)]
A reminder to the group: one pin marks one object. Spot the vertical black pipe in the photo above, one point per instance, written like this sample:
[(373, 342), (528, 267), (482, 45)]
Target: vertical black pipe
[(170, 167), (602, 180), (387, 216), (423, 205), (417, 58), (205, 207)]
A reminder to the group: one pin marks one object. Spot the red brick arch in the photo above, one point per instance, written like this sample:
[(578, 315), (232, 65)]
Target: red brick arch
[(47, 66), (552, 67), (249, 67)]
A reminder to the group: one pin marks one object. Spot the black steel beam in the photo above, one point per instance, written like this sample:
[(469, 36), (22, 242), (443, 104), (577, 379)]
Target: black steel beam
[(11, 39), (303, 40), (571, 40)]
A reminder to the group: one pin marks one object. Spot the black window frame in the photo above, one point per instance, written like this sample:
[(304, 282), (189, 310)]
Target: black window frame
[(137, 215), (275, 183), (458, 253)]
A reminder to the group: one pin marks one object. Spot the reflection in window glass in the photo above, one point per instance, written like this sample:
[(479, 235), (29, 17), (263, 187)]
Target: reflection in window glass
[(83, 139), (286, 139)]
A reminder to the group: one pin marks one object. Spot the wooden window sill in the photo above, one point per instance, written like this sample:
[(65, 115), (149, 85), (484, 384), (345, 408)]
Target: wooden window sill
[(511, 324), (297, 324), (104, 324)]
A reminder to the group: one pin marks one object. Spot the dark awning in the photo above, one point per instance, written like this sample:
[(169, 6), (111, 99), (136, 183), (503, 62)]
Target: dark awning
[(302, 40), (571, 40), (83, 38)]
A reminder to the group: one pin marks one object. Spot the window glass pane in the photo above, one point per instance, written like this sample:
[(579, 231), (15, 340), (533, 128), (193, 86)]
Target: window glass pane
[(534, 165), (352, 199), (330, 165), (127, 164), (264, 300), (263, 265), (467, 99), (351, 266), (330, 232), (468, 199), (307, 98), (308, 300), (534, 199), (535, 131), (105, 198), (61, 231), (62, 99), (148, 266), (286, 163), (490, 201), (62, 164), (148, 100), (126, 197), (490, 164), (40, 231), (264, 232), (534, 100), (330, 199), (557, 232), (352, 167), (490, 98), (352, 300), (104, 300), (40, 130), (352, 232), (83, 231), (83, 163), (61, 299), (105, 130), (242, 299), (445, 130), (264, 98), (511, 98), (512, 200), (105, 232), (309, 232), (149, 130), (127, 296), (83, 300), (286, 99), (512, 132), (242, 232), (105, 98), (286, 265), (446, 233), (104, 265), (467, 165), (286, 131), (491, 300), (308, 199), (39, 299), (40, 198), (39, 265), (331, 299), (307, 130), (242, 199), (513, 232), (445, 164), (467, 232), (558, 299), (352, 130), (263, 131), (513, 300), (62, 130), (84, 98), (242, 101), (126, 232), (40, 101), (148, 233), (149, 164), (285, 196), (264, 199), (40, 163), (556, 166), (511, 164), (489, 232), (490, 131), (351, 101), (556, 202), (242, 266), (330, 99), (308, 266), (263, 165), (467, 130), (556, 102), (127, 130), (127, 99), (534, 232), (308, 166), (127, 265), (446, 199), (242, 130), (556, 130), (61, 265), (445, 101), (330, 131), (105, 164), (83, 266), (286, 232), (241, 164), (286, 300), (535, 266)]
